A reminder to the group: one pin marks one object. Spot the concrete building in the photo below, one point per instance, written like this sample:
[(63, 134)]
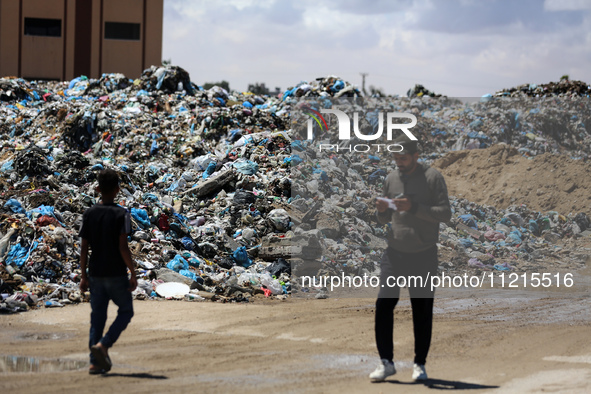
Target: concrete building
[(63, 39)]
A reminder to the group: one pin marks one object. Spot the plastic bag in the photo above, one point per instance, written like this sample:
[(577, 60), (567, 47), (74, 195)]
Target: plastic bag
[(279, 219), (141, 216), (14, 205), (279, 267), (178, 263), (246, 167), (241, 257)]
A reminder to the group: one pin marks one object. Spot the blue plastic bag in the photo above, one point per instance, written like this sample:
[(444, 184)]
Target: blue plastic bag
[(209, 170), (189, 274), (337, 86), (6, 167), (178, 263), (160, 80), (296, 160), (241, 257), (246, 167), (42, 210), (74, 81), (235, 135), (297, 145), (466, 243), (14, 205), (374, 176), (469, 221), (323, 174), (141, 216), (502, 267), (513, 238), (188, 243), (19, 254), (150, 197), (476, 124)]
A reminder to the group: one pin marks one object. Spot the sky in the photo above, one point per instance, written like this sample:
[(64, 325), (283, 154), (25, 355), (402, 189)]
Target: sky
[(460, 48)]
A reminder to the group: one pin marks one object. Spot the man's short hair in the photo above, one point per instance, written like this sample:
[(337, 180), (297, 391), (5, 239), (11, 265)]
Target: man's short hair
[(108, 181), (409, 146)]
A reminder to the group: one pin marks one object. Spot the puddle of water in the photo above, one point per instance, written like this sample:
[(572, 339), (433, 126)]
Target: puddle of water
[(33, 364), (353, 361), (42, 336)]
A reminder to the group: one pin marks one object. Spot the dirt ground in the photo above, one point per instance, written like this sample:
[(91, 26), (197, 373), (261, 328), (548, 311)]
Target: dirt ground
[(318, 346), (500, 176)]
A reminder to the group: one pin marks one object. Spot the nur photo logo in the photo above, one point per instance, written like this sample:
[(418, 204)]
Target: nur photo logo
[(344, 130)]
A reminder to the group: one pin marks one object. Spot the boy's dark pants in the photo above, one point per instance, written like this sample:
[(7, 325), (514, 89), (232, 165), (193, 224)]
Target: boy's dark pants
[(102, 290), (395, 264)]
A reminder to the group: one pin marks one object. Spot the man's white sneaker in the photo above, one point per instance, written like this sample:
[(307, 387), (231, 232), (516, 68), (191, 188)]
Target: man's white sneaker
[(419, 372), (385, 369)]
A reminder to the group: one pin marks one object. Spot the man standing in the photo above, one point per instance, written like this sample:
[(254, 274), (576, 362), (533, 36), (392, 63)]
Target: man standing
[(415, 202)]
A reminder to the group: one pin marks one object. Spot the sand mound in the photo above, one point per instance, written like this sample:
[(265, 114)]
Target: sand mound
[(500, 176)]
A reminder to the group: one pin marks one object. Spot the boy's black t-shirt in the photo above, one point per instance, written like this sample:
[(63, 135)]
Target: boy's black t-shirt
[(102, 224)]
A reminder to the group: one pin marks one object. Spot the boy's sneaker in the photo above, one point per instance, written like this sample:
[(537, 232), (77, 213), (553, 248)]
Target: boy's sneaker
[(419, 372), (96, 370), (385, 369), (101, 355)]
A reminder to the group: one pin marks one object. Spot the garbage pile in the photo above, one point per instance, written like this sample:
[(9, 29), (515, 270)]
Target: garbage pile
[(515, 239), (563, 88), (334, 199), (533, 126), (208, 178), (334, 185), (419, 91), (331, 86), (203, 173)]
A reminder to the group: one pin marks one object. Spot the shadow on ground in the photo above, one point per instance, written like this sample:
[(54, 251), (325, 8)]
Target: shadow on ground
[(440, 384), (136, 375)]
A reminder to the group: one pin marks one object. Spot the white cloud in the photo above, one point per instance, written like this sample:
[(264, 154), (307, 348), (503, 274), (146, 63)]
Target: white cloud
[(282, 42), (567, 5)]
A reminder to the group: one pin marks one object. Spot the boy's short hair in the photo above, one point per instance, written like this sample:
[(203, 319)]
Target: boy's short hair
[(108, 180)]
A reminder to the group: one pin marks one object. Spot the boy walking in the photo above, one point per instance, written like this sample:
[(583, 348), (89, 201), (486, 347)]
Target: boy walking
[(105, 227)]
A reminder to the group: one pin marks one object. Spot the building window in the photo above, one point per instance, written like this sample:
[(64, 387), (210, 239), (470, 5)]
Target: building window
[(43, 27), (122, 31)]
